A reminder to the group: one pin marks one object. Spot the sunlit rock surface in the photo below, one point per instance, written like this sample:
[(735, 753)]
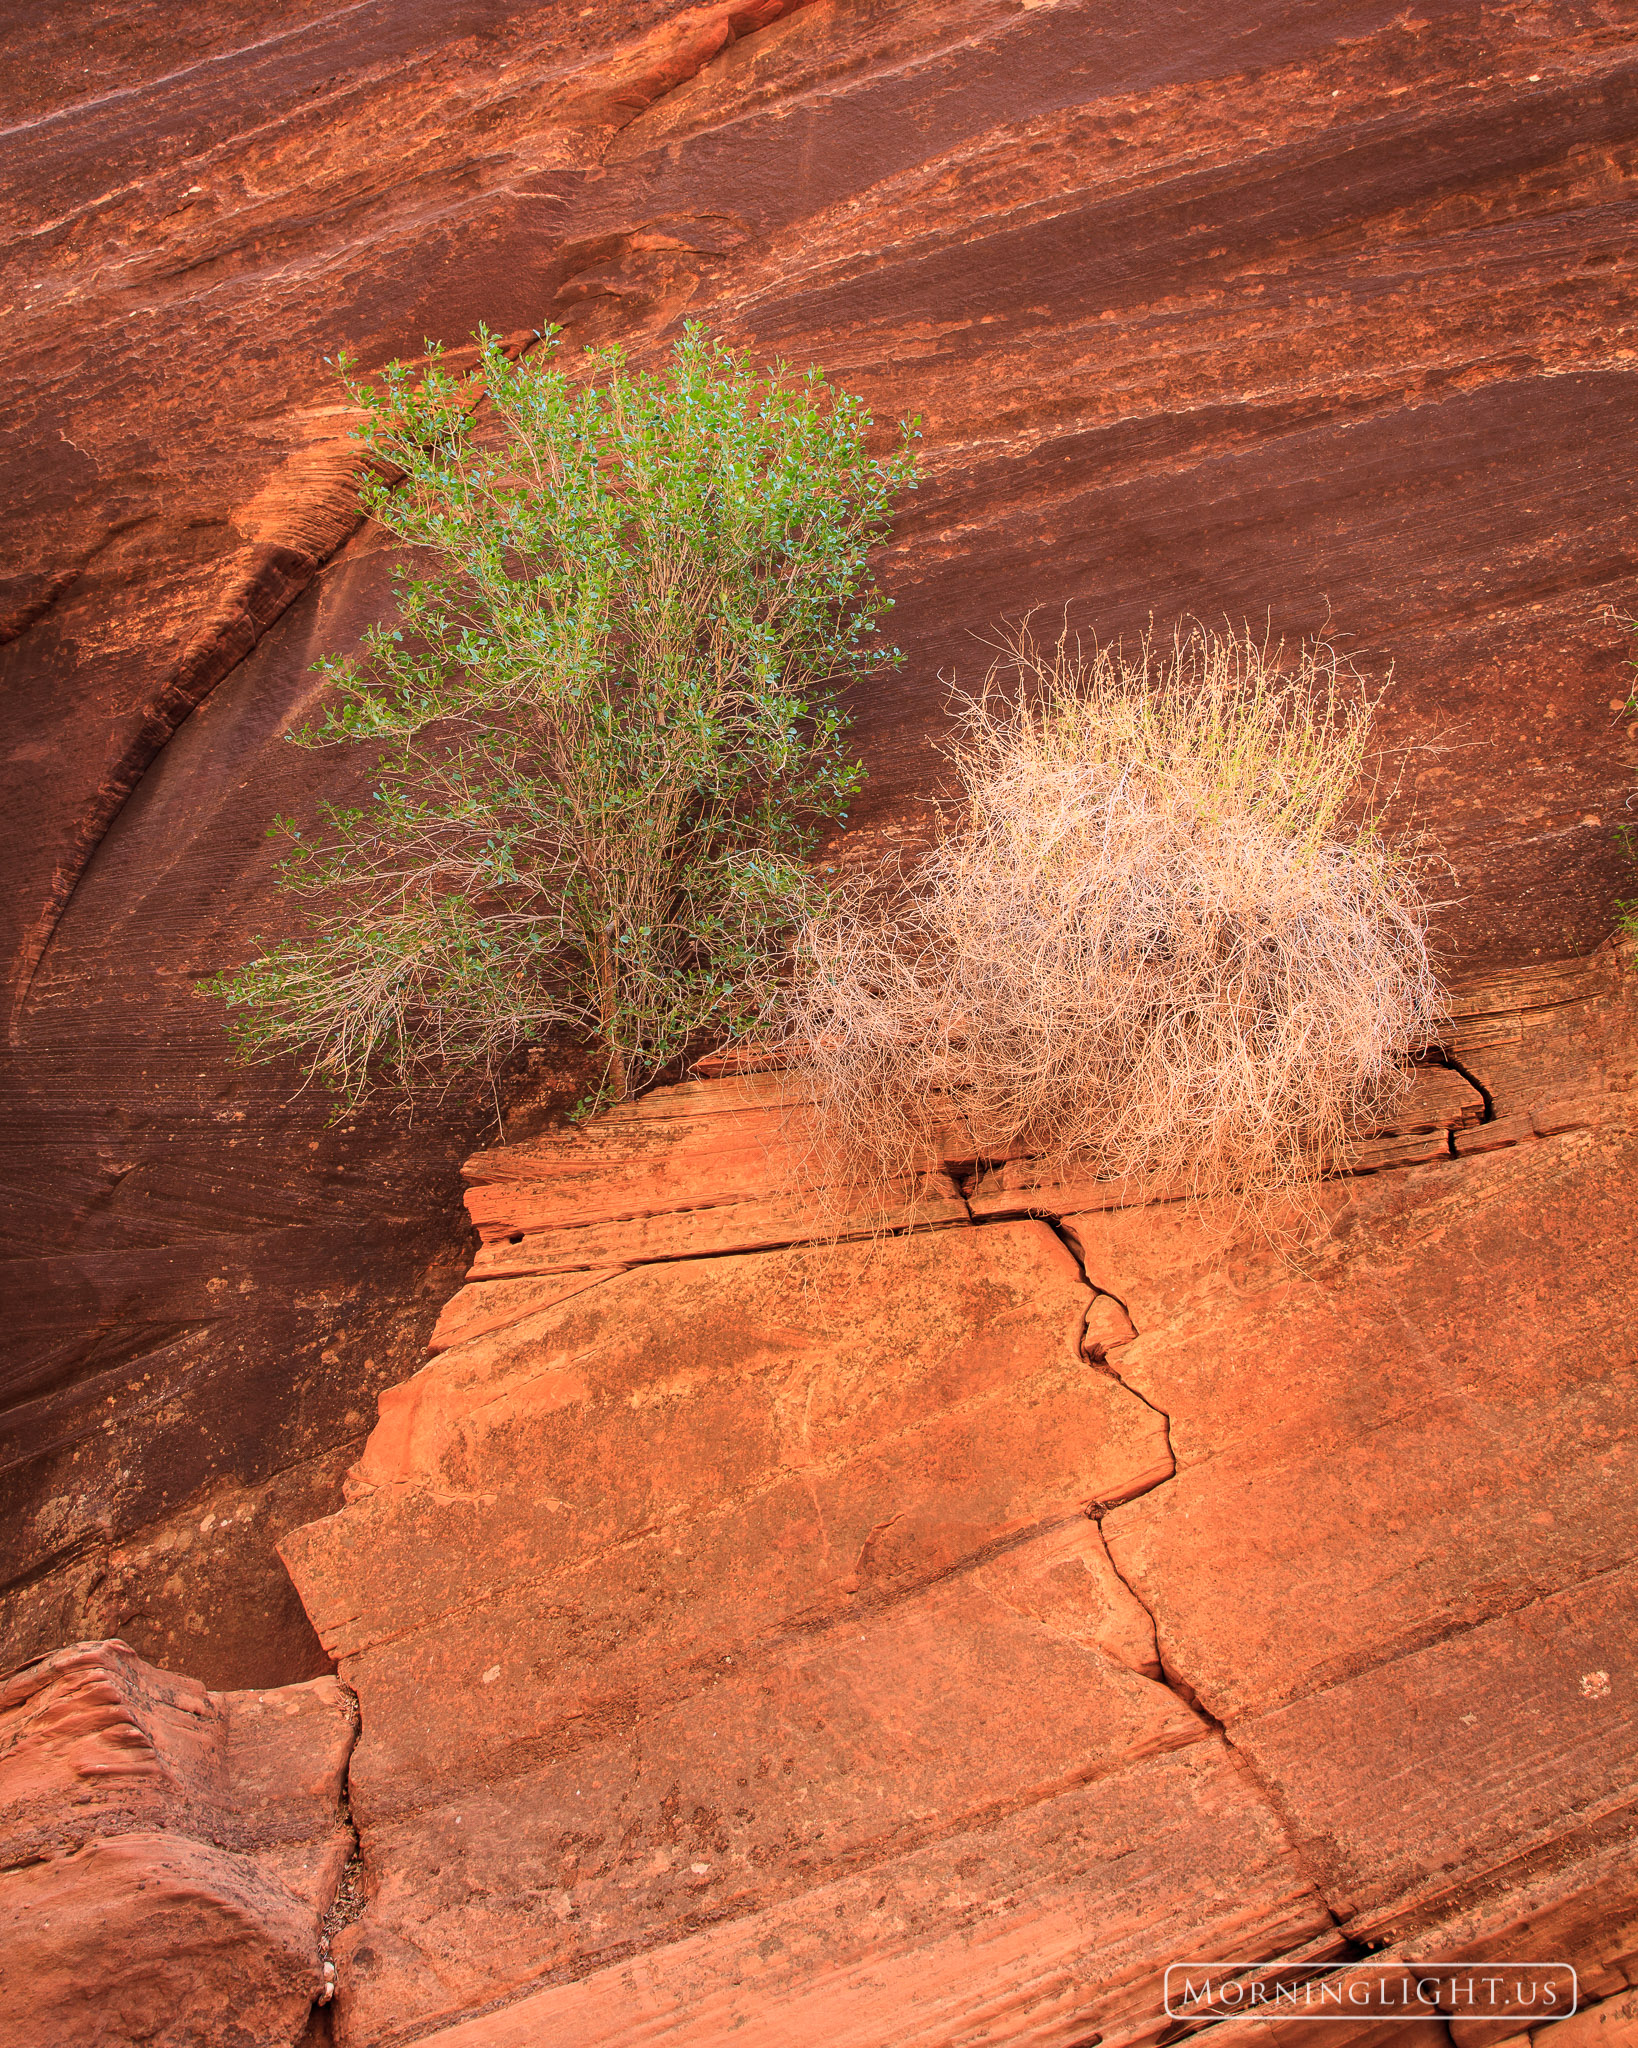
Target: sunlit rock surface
[(930, 1637), (1311, 313), (167, 1855)]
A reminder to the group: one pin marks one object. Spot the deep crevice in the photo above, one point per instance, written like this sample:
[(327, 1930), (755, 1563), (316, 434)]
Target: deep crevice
[(1449, 1059), (1171, 1678), (1100, 1361), (349, 1900)]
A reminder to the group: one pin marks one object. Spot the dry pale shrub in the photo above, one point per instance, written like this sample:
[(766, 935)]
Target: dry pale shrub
[(1164, 941)]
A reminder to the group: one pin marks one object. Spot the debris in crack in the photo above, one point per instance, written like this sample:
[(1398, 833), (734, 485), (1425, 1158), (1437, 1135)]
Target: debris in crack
[(349, 1900)]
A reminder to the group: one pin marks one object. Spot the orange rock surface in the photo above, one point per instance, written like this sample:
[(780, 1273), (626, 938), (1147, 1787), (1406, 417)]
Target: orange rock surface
[(167, 1854), (928, 1638), (762, 1632)]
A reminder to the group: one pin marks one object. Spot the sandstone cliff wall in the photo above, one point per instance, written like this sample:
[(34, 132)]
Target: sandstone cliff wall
[(1276, 311)]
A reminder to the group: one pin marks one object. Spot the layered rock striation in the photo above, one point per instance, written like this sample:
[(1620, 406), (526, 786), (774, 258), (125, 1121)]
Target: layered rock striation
[(770, 1628), (169, 1854), (1289, 315)]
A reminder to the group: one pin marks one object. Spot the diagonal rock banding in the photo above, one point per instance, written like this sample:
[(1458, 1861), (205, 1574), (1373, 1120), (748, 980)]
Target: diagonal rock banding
[(723, 1624)]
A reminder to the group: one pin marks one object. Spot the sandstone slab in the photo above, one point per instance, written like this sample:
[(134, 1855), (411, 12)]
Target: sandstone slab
[(170, 1854), (1508, 1746), (686, 1457), (682, 1597), (704, 1232), (1610, 2023), (788, 1766), (1430, 1425), (1052, 1926), (1395, 1560), (1437, 1104), (1547, 1029), (681, 1602)]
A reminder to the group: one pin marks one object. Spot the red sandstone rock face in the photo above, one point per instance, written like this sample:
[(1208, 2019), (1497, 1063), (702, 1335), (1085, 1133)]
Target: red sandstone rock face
[(928, 1640), (681, 1548), (169, 1854), (1273, 314), (1611, 2023)]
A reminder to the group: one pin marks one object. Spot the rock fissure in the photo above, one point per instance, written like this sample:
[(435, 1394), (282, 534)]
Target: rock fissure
[(1096, 1510), (1456, 1066), (1169, 1676), (1095, 1354), (798, 1241)]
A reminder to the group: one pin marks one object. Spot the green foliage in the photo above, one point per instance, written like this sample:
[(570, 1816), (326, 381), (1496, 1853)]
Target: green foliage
[(607, 715)]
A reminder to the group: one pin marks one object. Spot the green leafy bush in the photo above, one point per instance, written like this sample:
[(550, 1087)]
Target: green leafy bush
[(608, 713), (1626, 907)]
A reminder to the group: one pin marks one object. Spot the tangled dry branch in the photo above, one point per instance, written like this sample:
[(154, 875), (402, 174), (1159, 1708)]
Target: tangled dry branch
[(1166, 940)]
